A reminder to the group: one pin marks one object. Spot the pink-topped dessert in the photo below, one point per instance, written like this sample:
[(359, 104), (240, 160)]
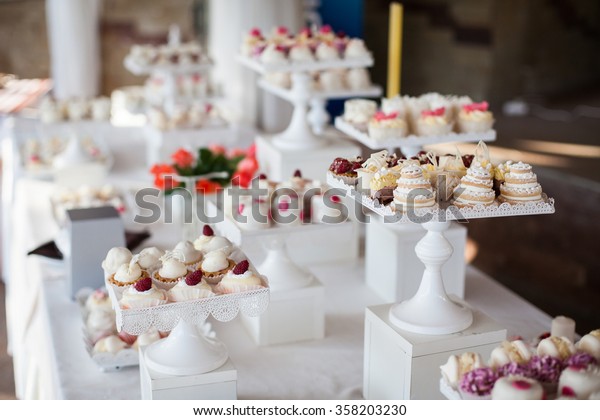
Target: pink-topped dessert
[(517, 388), (433, 122), (387, 126), (475, 118), (478, 383)]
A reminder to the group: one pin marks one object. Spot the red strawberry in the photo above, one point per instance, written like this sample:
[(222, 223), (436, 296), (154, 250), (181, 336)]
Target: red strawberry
[(241, 267), (143, 284), (194, 278), (297, 173), (207, 231)]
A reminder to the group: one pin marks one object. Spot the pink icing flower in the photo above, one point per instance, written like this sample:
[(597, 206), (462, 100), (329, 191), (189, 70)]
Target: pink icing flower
[(255, 32), (476, 106), (325, 29), (380, 116), (282, 30), (438, 112)]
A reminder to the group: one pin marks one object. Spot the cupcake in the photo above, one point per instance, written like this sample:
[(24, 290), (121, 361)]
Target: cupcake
[(100, 324), (579, 382), (517, 388), (273, 54), (590, 343), (475, 118), (190, 288), (98, 301), (433, 123), (190, 256), (149, 258), (301, 53), (214, 266), (478, 384), (520, 185), (240, 279), (355, 49), (395, 104), (170, 272), (127, 274), (457, 366), (387, 126), (358, 79), (510, 351), (359, 111), (332, 80), (208, 242), (413, 190), (345, 170), (327, 52), (115, 258), (559, 347), (143, 294), (325, 34), (475, 187)]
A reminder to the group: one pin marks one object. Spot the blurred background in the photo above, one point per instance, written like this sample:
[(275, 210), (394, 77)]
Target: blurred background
[(537, 62)]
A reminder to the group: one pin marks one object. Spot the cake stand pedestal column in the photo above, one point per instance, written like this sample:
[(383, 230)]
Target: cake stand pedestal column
[(430, 310), (282, 272)]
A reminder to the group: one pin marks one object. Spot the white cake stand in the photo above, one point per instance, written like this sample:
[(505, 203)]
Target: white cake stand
[(188, 349), (431, 311), (299, 135)]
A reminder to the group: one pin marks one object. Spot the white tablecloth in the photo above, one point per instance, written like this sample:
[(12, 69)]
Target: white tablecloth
[(51, 360)]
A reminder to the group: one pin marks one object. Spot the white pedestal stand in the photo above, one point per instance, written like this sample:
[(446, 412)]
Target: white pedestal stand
[(400, 365), (392, 267)]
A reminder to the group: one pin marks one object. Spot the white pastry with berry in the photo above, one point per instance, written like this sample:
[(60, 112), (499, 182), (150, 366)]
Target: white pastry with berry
[(240, 279), (143, 294), (190, 288)]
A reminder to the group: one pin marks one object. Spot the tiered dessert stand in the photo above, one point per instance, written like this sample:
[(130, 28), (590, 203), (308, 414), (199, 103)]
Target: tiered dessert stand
[(424, 330)]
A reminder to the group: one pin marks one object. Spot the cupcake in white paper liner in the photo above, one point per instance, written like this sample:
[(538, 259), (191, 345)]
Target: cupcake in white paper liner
[(214, 266), (149, 258), (190, 288), (240, 279), (126, 275), (143, 294), (208, 242), (115, 258), (171, 271), (475, 118), (433, 123), (190, 256)]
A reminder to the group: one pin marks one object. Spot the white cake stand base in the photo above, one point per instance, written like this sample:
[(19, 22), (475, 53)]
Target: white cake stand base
[(186, 351), (278, 267), (430, 311)]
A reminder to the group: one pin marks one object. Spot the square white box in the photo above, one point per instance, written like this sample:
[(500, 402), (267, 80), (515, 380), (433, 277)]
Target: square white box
[(392, 267), (399, 365), (220, 384), (292, 315)]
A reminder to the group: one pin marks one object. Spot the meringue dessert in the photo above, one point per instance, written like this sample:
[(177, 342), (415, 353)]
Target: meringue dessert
[(170, 272), (190, 288), (143, 294), (240, 279), (149, 258), (215, 265), (190, 256), (127, 274), (579, 382), (114, 259), (208, 242), (510, 351)]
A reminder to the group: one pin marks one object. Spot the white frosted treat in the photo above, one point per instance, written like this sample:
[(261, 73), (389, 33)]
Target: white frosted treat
[(107, 192), (215, 261), (128, 273), (517, 388), (147, 338), (208, 244), (50, 112), (590, 344), (520, 184), (281, 79), (172, 268), (240, 279), (413, 190), (387, 126), (510, 351), (356, 49), (98, 301), (358, 79), (579, 382), (332, 80), (560, 347), (115, 258), (433, 123), (149, 258), (189, 254), (457, 366), (186, 290), (475, 118), (563, 326), (395, 104), (273, 54), (327, 52), (100, 322), (476, 187), (135, 298), (111, 344), (359, 111), (301, 53)]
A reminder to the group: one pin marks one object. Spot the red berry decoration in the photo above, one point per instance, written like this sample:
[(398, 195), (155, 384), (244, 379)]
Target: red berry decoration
[(467, 160), (207, 231), (194, 278), (340, 166), (262, 176), (143, 285), (297, 173), (241, 267)]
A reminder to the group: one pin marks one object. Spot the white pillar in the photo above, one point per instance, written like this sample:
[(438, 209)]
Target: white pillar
[(229, 21), (74, 38)]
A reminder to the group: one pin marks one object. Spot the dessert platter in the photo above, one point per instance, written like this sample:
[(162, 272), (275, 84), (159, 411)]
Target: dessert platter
[(550, 367), (310, 67), (179, 289), (407, 191), (273, 211), (411, 122)]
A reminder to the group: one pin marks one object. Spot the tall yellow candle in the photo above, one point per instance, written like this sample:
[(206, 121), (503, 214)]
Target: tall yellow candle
[(395, 50)]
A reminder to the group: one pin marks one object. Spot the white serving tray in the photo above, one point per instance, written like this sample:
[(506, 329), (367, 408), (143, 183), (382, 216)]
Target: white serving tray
[(290, 96), (362, 136), (296, 67), (447, 211)]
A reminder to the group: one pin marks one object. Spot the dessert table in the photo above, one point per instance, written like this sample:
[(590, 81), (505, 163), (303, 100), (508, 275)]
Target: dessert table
[(51, 360)]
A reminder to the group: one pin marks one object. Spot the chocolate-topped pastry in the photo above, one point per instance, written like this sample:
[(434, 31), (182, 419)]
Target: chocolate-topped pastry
[(385, 195), (467, 160)]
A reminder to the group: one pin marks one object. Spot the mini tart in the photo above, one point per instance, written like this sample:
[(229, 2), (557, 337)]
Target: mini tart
[(182, 292), (164, 281), (214, 278), (237, 283), (132, 299), (117, 283)]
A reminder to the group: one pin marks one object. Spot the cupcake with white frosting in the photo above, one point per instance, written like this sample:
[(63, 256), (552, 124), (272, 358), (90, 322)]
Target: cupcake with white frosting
[(240, 279), (359, 111), (190, 256), (327, 52), (273, 54), (356, 49), (143, 294), (301, 53), (149, 258), (114, 259), (475, 118), (358, 79), (208, 242), (126, 275), (190, 288), (433, 122), (171, 271), (214, 266)]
